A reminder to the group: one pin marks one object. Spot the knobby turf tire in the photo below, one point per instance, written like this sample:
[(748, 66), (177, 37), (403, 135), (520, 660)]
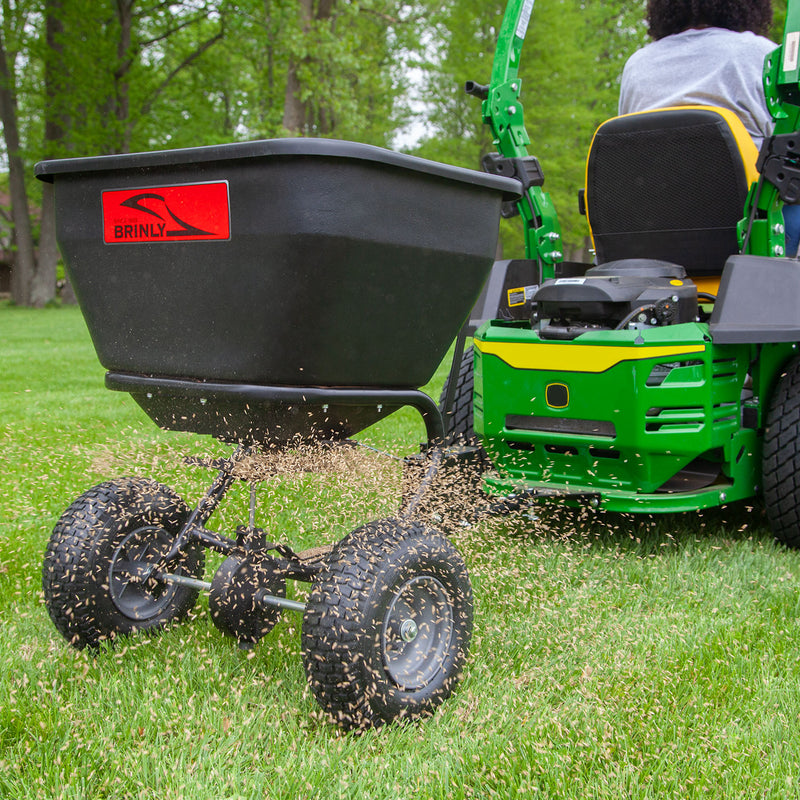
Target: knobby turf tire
[(461, 491), (83, 577), (387, 625), (781, 458), (458, 423)]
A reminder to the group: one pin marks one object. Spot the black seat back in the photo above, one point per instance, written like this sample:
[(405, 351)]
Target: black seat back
[(670, 185)]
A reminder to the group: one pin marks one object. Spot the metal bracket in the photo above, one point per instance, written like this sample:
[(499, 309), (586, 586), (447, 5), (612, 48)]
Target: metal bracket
[(527, 170), (779, 163), (520, 500)]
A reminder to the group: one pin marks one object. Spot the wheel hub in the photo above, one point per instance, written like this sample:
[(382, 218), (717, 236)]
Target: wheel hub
[(418, 629), (132, 590), (409, 630)]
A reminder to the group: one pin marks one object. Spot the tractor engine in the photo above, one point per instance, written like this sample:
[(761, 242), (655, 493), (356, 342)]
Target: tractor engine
[(634, 293)]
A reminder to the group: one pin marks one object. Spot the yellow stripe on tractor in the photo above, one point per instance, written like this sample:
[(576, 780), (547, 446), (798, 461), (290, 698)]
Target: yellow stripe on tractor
[(576, 357)]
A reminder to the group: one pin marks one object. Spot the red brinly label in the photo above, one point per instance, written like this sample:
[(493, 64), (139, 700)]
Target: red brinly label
[(190, 213)]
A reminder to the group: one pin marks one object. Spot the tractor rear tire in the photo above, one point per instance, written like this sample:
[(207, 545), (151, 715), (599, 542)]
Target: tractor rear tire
[(387, 626), (102, 540), (781, 458)]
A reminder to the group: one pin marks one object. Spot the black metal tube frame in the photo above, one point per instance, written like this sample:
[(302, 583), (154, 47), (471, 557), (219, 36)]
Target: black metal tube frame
[(194, 527), (289, 395)]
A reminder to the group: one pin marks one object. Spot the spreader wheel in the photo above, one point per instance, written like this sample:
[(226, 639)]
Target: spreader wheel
[(387, 625), (96, 573), (234, 599), (781, 459)]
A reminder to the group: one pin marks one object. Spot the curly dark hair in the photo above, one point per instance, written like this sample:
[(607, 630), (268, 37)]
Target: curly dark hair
[(665, 17)]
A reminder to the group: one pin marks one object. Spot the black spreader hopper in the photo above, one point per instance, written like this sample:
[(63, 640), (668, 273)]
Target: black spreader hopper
[(262, 290)]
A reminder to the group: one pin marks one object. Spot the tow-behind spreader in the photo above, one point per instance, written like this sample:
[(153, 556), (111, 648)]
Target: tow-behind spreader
[(298, 291)]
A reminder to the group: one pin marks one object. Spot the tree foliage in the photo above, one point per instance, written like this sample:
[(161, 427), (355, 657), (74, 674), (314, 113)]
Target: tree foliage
[(573, 55), (95, 77), (87, 77)]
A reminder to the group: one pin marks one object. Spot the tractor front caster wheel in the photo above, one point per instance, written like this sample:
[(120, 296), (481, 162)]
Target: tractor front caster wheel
[(387, 625)]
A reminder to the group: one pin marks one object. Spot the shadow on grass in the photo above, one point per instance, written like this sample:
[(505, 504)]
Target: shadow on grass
[(635, 534)]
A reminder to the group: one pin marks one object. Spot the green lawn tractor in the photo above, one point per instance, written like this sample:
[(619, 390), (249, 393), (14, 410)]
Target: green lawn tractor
[(665, 377)]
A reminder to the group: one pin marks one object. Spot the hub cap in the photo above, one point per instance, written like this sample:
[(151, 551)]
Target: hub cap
[(418, 628)]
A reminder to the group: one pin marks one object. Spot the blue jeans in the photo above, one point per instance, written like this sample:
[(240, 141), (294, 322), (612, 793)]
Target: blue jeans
[(791, 221)]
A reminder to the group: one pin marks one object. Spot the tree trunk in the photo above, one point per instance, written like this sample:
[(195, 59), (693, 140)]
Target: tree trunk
[(25, 284), (296, 112), (45, 284), (55, 127), (122, 104), (294, 107)]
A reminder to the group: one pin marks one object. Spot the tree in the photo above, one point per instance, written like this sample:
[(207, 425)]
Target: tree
[(29, 283), (571, 61), (89, 77), (343, 67), (461, 48), (97, 73), (55, 127)]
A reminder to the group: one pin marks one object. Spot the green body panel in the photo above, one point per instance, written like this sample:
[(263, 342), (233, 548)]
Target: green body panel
[(761, 231), (640, 413)]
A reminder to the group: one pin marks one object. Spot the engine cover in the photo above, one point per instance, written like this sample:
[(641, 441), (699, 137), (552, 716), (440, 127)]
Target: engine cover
[(636, 292)]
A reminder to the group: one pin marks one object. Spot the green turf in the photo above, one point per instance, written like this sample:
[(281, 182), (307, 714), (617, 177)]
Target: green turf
[(618, 657)]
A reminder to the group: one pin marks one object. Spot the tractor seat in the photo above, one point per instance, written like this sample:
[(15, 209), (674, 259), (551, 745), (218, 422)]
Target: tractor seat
[(671, 185), (665, 191)]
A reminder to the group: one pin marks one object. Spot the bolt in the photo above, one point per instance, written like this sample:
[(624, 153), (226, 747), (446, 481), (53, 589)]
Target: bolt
[(408, 630), (552, 236), (777, 250), (778, 228), (511, 110)]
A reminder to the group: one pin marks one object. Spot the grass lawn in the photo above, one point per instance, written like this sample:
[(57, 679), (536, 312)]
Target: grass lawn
[(625, 657)]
